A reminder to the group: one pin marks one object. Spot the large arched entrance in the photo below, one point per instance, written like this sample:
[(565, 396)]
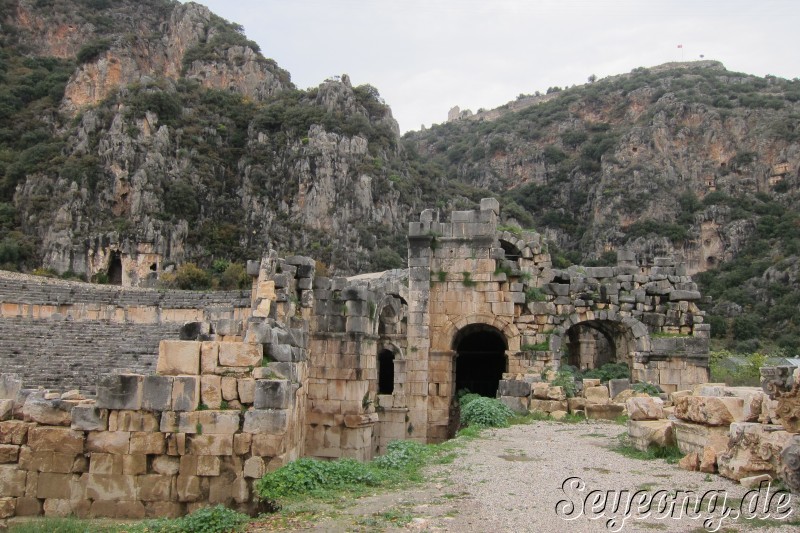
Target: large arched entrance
[(480, 359)]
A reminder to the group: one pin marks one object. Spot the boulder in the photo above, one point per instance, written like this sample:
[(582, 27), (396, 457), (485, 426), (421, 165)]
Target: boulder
[(651, 433), (710, 410)]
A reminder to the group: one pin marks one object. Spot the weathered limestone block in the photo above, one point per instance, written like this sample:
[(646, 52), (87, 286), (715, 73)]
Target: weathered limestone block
[(14, 432), (556, 393), (47, 412), (148, 443), (608, 411), (514, 388), (694, 437), (185, 393), (254, 468), (209, 422), (265, 445), (8, 507), (157, 393), (547, 406), (690, 462), (591, 382), (576, 404), (132, 421), (710, 410), (360, 420), (596, 395), (230, 390), (207, 465), (9, 453), (178, 358), (210, 444), (12, 481), (60, 486), (240, 354), (753, 449), (247, 390), (616, 386), (241, 443), (89, 418), (273, 394), (540, 390), (113, 442), (648, 433), (110, 487), (211, 391), (166, 465), (790, 463), (265, 421), (61, 463), (50, 439), (645, 408), (10, 385), (106, 463), (6, 409), (29, 506), (130, 510), (515, 403), (788, 411), (154, 488), (754, 482), (120, 391)]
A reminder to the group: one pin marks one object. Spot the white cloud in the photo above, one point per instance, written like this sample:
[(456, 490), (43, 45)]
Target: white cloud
[(426, 56)]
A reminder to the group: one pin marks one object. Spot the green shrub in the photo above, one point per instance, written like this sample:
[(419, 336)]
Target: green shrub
[(401, 454), (647, 388), (312, 475), (608, 371), (466, 397), (535, 294), (234, 277), (485, 411), (218, 519), (92, 50), (188, 277), (566, 380)]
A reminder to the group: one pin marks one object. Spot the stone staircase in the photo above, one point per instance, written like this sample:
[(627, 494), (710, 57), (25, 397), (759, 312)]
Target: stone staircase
[(62, 354)]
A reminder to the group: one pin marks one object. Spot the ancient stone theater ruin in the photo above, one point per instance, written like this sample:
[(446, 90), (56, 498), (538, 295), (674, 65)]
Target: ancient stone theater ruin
[(319, 367)]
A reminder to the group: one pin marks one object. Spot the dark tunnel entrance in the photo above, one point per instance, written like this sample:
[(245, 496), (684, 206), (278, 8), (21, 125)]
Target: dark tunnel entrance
[(480, 359)]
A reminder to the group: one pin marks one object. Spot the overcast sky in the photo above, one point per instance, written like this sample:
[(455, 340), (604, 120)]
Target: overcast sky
[(426, 56)]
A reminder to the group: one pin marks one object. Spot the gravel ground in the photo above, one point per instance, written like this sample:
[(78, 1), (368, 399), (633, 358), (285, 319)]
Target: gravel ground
[(511, 480)]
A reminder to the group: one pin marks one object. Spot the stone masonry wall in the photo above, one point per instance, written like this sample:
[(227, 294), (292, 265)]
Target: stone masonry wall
[(217, 415)]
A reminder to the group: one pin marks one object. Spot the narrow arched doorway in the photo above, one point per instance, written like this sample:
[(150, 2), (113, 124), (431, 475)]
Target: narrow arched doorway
[(385, 372), (115, 269), (480, 359)]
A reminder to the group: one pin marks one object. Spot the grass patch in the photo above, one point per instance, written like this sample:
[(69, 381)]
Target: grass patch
[(671, 454)]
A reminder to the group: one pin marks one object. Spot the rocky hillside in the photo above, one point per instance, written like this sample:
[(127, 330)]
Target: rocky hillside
[(687, 159), (158, 129)]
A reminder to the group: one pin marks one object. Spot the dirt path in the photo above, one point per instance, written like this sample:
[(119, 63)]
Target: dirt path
[(513, 480)]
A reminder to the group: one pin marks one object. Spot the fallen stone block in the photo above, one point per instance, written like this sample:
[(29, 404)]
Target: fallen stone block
[(47, 412), (616, 386), (645, 408), (547, 406), (754, 482), (596, 395), (514, 388), (609, 411), (753, 449), (515, 403), (576, 404), (540, 390), (710, 410), (645, 434), (6, 409), (694, 437)]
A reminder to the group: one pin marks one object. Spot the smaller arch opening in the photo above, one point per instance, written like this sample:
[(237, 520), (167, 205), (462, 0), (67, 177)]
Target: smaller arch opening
[(385, 372), (512, 252)]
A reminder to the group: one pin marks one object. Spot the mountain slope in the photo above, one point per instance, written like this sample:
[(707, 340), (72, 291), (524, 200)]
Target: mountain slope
[(687, 159)]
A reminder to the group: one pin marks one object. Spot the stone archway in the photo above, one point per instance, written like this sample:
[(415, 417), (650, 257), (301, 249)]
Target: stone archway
[(480, 359), (588, 342)]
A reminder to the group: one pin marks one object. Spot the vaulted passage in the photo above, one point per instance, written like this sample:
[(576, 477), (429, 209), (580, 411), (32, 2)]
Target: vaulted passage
[(115, 269), (480, 359), (594, 343), (385, 372)]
